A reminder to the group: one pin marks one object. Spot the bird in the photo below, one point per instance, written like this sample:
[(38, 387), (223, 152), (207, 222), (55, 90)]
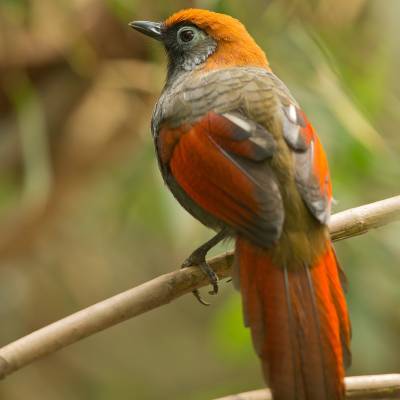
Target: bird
[(240, 155)]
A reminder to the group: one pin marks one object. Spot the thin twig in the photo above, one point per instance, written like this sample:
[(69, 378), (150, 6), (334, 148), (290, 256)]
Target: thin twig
[(357, 387), (163, 290), (360, 220)]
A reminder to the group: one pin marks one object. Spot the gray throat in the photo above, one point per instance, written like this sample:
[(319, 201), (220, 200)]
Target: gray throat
[(185, 62)]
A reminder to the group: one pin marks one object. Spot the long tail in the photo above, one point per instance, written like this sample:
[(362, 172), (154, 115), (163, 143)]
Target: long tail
[(299, 323)]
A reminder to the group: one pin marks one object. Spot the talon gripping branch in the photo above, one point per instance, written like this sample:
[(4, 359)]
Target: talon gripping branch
[(240, 155)]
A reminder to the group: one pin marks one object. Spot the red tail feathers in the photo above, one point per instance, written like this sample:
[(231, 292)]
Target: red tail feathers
[(299, 323)]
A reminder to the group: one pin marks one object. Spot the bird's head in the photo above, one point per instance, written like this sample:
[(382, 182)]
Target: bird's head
[(195, 38)]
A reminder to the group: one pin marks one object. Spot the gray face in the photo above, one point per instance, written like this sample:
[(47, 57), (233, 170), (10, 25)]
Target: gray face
[(187, 47)]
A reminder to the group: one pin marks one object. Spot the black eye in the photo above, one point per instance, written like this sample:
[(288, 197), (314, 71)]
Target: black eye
[(186, 35)]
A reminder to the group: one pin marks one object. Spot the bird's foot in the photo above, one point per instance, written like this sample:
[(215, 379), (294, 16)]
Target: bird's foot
[(198, 258)]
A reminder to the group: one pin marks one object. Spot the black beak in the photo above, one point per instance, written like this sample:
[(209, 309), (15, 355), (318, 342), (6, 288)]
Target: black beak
[(152, 29)]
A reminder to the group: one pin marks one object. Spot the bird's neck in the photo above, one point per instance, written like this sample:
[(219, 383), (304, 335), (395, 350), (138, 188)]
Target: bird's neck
[(232, 54)]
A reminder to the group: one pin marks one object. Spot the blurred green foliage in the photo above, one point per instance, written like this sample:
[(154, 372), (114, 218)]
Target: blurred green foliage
[(84, 213)]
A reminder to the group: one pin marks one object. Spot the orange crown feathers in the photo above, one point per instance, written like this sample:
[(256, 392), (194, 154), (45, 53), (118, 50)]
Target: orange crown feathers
[(235, 45)]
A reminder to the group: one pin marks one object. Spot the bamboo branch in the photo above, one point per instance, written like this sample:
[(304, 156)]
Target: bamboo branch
[(357, 387), (163, 290)]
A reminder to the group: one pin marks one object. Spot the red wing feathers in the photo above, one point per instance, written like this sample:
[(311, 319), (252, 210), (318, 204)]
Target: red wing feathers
[(209, 160)]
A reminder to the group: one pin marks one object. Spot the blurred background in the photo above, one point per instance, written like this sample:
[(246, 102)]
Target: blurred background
[(84, 214)]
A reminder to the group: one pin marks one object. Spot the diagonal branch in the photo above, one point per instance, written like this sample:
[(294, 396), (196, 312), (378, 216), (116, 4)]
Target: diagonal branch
[(162, 290), (357, 387)]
